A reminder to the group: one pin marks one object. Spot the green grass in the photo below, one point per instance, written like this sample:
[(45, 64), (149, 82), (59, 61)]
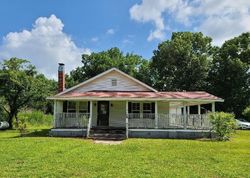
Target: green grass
[(36, 155)]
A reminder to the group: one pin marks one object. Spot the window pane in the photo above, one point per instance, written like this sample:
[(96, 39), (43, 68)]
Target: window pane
[(83, 107), (71, 106), (135, 108), (113, 82)]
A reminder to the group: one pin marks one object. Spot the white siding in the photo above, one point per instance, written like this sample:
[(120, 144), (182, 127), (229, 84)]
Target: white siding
[(117, 115), (59, 106), (94, 113), (175, 110), (104, 83), (163, 107)]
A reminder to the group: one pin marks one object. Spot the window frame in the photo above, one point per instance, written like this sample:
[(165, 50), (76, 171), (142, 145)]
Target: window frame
[(73, 109), (148, 111), (85, 108), (114, 82), (137, 110)]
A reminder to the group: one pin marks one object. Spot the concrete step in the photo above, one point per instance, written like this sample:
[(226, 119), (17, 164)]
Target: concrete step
[(107, 136)]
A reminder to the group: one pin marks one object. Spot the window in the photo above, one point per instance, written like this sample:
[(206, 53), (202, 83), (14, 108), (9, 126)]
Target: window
[(147, 108), (83, 107), (71, 106), (114, 82), (135, 107)]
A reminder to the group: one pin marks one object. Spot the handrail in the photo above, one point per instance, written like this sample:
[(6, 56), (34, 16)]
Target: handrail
[(167, 121)]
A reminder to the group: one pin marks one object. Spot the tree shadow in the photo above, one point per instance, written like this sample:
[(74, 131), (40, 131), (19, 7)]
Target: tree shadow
[(36, 133)]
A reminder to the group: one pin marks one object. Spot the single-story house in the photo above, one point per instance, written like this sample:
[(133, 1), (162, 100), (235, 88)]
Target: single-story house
[(115, 103)]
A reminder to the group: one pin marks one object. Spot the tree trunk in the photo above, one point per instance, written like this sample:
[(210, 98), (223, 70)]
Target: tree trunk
[(11, 115), (10, 120)]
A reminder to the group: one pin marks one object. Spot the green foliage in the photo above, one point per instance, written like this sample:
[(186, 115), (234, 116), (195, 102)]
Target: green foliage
[(223, 124), (20, 125), (246, 113), (43, 88), (182, 63), (97, 63), (229, 75), (21, 87), (36, 118)]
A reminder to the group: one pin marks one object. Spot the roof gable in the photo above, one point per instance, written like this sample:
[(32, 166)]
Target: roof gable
[(103, 82)]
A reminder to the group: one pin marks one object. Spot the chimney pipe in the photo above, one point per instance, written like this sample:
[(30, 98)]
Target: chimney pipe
[(61, 78)]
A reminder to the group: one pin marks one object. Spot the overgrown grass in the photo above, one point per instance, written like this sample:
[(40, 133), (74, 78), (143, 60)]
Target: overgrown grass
[(38, 156), (36, 119)]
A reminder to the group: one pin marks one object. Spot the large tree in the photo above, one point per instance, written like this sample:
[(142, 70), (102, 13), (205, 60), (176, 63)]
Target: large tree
[(182, 63), (20, 87), (229, 76), (96, 63)]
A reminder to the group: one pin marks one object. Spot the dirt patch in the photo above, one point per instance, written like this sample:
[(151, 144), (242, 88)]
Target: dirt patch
[(107, 142)]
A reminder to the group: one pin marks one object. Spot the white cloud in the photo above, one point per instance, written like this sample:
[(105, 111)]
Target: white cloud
[(94, 39), (44, 45), (219, 19), (110, 31)]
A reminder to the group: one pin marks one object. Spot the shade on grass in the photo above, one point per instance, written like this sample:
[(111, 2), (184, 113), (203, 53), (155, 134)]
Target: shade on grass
[(39, 156)]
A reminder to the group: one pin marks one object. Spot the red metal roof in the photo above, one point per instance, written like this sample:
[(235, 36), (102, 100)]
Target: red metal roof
[(131, 94)]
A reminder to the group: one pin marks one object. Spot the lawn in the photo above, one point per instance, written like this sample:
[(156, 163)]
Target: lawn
[(38, 156)]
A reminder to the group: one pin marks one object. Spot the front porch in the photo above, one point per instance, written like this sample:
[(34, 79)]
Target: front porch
[(138, 118)]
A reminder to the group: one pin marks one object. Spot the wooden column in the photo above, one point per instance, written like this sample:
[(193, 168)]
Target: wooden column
[(188, 110), (126, 109), (156, 114), (184, 116), (54, 114), (199, 109), (213, 107), (90, 118)]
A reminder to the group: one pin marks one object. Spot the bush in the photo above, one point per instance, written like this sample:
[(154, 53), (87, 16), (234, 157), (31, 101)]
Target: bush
[(36, 118), (21, 125), (246, 113), (223, 124)]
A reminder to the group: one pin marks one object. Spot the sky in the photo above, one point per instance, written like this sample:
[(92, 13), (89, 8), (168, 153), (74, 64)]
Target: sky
[(47, 32)]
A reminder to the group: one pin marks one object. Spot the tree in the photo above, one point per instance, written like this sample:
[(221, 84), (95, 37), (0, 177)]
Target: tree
[(20, 86), (44, 88), (182, 63), (229, 76), (97, 63)]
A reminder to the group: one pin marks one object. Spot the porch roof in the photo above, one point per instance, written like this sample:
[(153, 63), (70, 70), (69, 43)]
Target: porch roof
[(122, 95)]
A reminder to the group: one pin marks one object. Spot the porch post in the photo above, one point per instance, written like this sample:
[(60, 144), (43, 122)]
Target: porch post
[(213, 107), (156, 114), (188, 110), (90, 109), (185, 116), (127, 109), (199, 109), (54, 114), (90, 118)]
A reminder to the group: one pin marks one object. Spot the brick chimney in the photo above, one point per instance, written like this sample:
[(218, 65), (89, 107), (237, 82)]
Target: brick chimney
[(61, 78)]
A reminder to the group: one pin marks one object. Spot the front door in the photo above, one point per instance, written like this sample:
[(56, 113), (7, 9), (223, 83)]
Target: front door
[(103, 113)]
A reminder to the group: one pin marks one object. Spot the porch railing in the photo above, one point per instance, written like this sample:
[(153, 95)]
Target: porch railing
[(71, 120), (168, 121)]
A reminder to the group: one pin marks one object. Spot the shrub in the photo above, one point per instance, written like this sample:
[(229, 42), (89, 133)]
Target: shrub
[(21, 125), (223, 124), (246, 113)]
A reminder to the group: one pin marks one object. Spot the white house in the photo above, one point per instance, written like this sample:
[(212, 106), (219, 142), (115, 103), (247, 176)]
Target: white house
[(115, 102)]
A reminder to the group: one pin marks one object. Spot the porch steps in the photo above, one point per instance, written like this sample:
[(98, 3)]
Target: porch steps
[(108, 133)]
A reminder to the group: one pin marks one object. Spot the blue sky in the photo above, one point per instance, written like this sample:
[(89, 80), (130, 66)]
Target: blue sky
[(51, 31)]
